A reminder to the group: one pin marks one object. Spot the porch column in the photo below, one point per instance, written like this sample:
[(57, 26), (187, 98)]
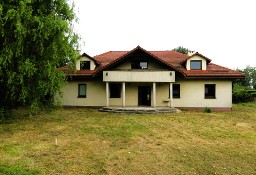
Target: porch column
[(123, 94), (154, 94), (107, 94), (170, 104)]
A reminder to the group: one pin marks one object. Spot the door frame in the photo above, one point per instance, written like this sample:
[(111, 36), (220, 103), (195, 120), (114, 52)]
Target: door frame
[(144, 95)]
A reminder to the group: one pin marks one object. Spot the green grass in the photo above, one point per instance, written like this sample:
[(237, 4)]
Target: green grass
[(91, 142)]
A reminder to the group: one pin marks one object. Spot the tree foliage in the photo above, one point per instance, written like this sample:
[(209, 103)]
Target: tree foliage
[(36, 37), (242, 87), (250, 77), (182, 49), (241, 93)]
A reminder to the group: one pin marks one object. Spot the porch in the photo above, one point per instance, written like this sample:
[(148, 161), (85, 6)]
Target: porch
[(139, 88)]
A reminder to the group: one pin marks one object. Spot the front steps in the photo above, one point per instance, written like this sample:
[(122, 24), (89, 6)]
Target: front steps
[(140, 110)]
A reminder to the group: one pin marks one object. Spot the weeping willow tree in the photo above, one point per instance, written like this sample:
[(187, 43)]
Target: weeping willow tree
[(36, 37)]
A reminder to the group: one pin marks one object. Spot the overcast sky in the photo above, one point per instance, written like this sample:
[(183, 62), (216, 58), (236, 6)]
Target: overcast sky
[(222, 30)]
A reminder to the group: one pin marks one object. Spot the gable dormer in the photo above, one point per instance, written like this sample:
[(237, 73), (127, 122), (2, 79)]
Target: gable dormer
[(85, 62), (139, 59), (196, 61)]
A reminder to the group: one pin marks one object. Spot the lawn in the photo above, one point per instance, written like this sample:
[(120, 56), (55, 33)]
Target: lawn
[(85, 141)]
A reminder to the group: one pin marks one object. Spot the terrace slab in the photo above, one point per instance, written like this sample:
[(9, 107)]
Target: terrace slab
[(140, 110)]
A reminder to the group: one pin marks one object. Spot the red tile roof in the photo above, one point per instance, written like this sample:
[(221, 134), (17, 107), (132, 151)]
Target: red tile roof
[(88, 56), (69, 72), (172, 59)]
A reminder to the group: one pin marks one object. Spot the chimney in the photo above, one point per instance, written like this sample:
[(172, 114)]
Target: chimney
[(191, 52)]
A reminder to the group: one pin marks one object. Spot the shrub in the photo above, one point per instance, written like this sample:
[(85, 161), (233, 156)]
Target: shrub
[(207, 110), (240, 93)]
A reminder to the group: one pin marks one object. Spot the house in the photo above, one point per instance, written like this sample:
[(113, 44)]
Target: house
[(149, 78)]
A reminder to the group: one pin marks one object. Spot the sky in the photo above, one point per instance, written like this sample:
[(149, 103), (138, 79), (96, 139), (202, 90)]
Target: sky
[(222, 30)]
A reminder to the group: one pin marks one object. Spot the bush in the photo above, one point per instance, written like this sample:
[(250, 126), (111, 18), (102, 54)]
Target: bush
[(207, 110)]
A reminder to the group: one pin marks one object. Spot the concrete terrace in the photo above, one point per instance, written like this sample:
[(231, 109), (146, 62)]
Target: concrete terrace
[(140, 110)]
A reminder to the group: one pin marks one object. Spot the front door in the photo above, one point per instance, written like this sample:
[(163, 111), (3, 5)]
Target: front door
[(144, 95)]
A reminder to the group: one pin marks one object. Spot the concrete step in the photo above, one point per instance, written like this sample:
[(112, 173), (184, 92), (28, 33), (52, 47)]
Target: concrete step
[(140, 110)]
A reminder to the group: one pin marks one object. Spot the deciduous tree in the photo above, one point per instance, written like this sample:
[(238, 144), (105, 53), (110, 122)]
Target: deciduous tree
[(36, 37), (182, 49), (250, 77)]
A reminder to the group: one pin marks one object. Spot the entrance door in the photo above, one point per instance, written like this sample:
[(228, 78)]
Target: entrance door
[(144, 95)]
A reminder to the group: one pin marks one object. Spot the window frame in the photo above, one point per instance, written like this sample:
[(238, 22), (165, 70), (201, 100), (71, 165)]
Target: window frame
[(173, 95), (212, 94), (173, 87), (194, 61), (79, 92), (82, 65), (115, 90), (136, 64)]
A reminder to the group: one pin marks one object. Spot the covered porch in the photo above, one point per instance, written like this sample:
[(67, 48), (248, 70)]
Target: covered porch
[(139, 88)]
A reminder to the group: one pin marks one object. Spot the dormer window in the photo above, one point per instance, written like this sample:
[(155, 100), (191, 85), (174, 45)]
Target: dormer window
[(139, 64), (196, 64), (85, 65)]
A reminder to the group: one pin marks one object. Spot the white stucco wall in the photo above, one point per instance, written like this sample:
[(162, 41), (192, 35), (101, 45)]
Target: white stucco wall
[(92, 63), (192, 94), (95, 94), (196, 57)]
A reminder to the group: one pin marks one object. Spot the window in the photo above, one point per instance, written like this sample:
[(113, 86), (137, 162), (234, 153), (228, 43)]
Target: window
[(82, 90), (115, 90), (209, 90), (139, 64), (196, 65), (175, 91), (85, 65)]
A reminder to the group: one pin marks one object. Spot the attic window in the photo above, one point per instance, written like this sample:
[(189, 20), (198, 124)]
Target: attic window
[(139, 64), (196, 64), (85, 65)]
